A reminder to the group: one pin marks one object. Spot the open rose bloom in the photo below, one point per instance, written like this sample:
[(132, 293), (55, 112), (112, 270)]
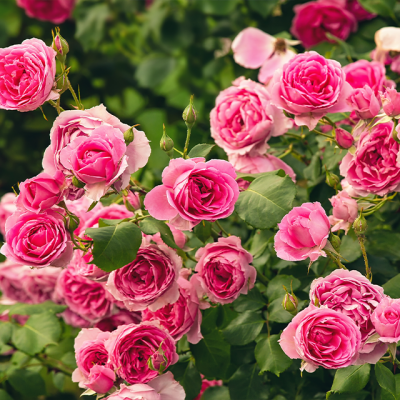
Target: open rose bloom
[(56, 11)]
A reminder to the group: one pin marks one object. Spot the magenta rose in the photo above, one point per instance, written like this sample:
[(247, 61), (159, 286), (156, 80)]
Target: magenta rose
[(313, 20), (303, 233), (391, 102), (364, 103), (38, 240), (310, 86), (148, 281), (132, 348), (359, 12), (182, 317), (343, 138), (376, 147), (224, 271), (386, 320), (194, 190), (122, 317), (205, 384), (55, 11), (7, 207), (321, 337), (27, 74), (345, 211), (243, 119), (41, 192)]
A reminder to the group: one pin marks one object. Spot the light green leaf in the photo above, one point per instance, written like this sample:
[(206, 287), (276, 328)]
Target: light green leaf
[(351, 379), (203, 230), (380, 7), (201, 150), (151, 226), (385, 379), (392, 287), (253, 301), (264, 8), (31, 309)]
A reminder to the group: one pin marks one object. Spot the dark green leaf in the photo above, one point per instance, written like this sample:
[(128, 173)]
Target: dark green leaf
[(392, 287), (277, 313), (384, 243), (27, 382), (216, 393), (380, 7), (216, 7), (246, 384), (151, 226), (201, 150), (209, 320), (244, 329), (264, 8), (350, 248), (351, 379), (260, 242), (154, 70), (203, 230), (187, 375), (253, 301), (385, 379), (4, 395), (275, 287)]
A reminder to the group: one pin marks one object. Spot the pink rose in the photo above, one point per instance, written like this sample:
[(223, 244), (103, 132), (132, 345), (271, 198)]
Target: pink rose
[(101, 379), (82, 266), (313, 20), (7, 207), (360, 13), (224, 271), (206, 384), (343, 138), (321, 337), (131, 347), (391, 102), (148, 281), (122, 317), (194, 190), (376, 147), (386, 320), (75, 320), (38, 240), (310, 86), (27, 73), (27, 285), (134, 200), (243, 119), (364, 102), (345, 211), (363, 72), (303, 233), (55, 11), (41, 192), (182, 317)]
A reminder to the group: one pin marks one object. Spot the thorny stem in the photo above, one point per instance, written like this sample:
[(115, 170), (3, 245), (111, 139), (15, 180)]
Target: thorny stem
[(222, 229), (55, 105), (71, 89), (323, 134), (185, 150), (335, 259), (368, 272)]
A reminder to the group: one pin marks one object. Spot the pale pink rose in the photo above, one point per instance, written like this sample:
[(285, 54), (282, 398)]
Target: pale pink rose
[(303, 233), (391, 102), (27, 74), (243, 119), (38, 240), (206, 384), (345, 212), (374, 167), (343, 138), (122, 317), (321, 338), (349, 189), (313, 20), (364, 103), (182, 317), (131, 346), (41, 192), (360, 13), (310, 86), (224, 271), (101, 379), (386, 320), (192, 191), (27, 285), (148, 281), (134, 200), (7, 207), (179, 237), (75, 320), (55, 11)]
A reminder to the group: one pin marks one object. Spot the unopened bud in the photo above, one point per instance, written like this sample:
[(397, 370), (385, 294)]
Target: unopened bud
[(190, 114), (73, 223), (60, 45), (343, 138), (290, 303), (335, 241), (332, 180), (76, 182), (129, 136), (166, 143), (360, 225)]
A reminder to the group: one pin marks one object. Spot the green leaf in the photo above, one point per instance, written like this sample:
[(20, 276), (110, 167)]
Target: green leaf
[(264, 8), (27, 382), (31, 309), (216, 393), (151, 226), (212, 355), (216, 7), (380, 7), (270, 356), (246, 384), (6, 330), (392, 287), (260, 242), (275, 287), (277, 313), (153, 70), (244, 329), (115, 246), (350, 248), (385, 379), (187, 375), (39, 331), (201, 150), (4, 395), (103, 222), (267, 200), (203, 230), (383, 243), (351, 379), (253, 301)]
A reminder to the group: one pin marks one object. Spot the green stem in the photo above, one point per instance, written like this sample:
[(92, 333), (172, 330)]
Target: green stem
[(185, 150), (53, 363), (76, 244), (335, 259), (330, 122), (262, 278), (178, 151), (368, 272), (54, 104), (323, 134), (222, 229), (71, 89), (287, 152)]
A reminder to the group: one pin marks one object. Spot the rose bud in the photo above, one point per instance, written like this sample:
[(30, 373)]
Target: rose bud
[(364, 102), (60, 45), (190, 114), (332, 180), (290, 303), (101, 379), (343, 138), (391, 102), (360, 225)]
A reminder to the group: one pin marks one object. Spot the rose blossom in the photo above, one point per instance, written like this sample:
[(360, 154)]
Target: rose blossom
[(345, 211), (343, 138), (205, 384), (38, 240), (182, 317), (374, 167), (386, 320), (101, 379), (82, 266), (243, 119), (7, 207), (122, 317), (130, 348), (310, 86), (55, 11), (27, 73), (321, 337), (303, 233), (364, 103), (313, 20), (224, 271), (358, 11), (194, 190), (391, 102), (148, 281)]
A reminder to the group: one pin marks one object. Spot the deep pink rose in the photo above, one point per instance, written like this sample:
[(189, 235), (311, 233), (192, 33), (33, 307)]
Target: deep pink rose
[(224, 271), (360, 13), (55, 11), (313, 20), (310, 86), (27, 73), (101, 379), (38, 240), (122, 317), (374, 167), (303, 233), (75, 320), (206, 384), (131, 347), (343, 138), (41, 192), (386, 320), (194, 190), (148, 281), (345, 211), (182, 317), (243, 119), (7, 207), (363, 72), (27, 285), (321, 337), (391, 102), (364, 103)]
